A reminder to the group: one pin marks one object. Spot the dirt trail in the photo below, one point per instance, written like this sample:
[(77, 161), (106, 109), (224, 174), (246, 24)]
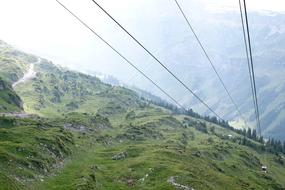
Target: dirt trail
[(17, 115)]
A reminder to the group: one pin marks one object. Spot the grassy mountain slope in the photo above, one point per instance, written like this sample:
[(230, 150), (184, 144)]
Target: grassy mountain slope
[(30, 148), (56, 91), (148, 152), (145, 139), (94, 136)]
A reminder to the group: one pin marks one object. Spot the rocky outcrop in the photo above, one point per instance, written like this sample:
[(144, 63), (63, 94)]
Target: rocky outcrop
[(9, 98), (120, 156)]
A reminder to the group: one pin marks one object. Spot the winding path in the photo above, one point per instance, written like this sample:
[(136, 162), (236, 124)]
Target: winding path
[(28, 75)]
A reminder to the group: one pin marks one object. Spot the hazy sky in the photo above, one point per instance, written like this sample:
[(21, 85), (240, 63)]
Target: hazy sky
[(42, 27)]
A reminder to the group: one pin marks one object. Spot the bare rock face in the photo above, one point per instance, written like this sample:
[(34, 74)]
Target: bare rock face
[(173, 182), (2, 85), (9, 95), (120, 156), (75, 127)]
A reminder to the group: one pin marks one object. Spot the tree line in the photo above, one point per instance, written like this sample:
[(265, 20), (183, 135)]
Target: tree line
[(249, 135)]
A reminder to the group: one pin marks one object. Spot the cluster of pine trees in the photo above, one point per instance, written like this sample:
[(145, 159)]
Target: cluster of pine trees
[(189, 112), (271, 145), (251, 134), (275, 146)]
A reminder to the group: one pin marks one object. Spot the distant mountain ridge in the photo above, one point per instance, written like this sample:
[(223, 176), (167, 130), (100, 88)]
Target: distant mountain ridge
[(222, 37)]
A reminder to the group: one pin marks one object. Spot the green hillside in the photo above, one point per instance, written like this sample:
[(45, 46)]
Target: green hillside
[(84, 134), (57, 91)]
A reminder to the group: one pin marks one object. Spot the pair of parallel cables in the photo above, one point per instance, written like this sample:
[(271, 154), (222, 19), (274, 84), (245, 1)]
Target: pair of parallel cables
[(248, 49)]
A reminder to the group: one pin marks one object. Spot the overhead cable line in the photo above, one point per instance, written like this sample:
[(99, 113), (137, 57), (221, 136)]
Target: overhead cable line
[(158, 61), (122, 56), (251, 70), (248, 60), (209, 59), (252, 67)]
